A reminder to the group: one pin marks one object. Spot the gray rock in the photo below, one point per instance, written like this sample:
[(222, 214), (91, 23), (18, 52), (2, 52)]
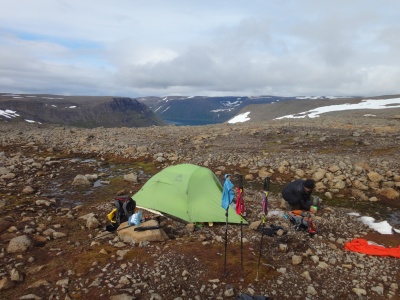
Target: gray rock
[(81, 180), (19, 244)]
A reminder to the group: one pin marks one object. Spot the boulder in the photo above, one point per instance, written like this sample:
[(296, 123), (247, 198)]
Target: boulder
[(6, 283), (263, 173), (375, 177), (359, 194), (389, 193), (92, 222), (300, 173), (359, 185), (334, 168), (340, 185), (129, 235), (19, 244), (319, 174), (131, 177), (81, 180), (28, 190)]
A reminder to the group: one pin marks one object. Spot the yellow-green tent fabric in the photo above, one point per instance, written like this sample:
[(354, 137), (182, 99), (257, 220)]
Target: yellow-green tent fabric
[(189, 192)]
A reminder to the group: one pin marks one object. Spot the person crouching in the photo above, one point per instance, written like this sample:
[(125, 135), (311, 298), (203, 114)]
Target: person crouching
[(298, 195)]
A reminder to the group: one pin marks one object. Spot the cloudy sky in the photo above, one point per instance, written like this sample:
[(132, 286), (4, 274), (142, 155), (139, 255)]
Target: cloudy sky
[(226, 47)]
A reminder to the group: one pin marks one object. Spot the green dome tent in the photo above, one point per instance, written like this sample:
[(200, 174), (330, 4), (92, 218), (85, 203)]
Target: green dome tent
[(188, 192)]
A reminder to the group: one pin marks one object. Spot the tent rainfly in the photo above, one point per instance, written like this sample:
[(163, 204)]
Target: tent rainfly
[(188, 192)]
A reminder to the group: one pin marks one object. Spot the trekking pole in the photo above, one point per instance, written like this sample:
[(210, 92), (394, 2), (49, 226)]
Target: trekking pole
[(227, 197), (240, 208), (226, 240), (241, 245), (265, 213)]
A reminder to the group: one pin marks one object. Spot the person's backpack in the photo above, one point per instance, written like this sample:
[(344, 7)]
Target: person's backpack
[(302, 221), (125, 208)]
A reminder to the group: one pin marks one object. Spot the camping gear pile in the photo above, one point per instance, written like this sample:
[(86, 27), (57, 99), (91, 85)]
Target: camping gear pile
[(302, 220), (194, 194), (124, 209)]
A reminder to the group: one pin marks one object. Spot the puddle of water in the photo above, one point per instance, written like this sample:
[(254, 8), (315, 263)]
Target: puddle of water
[(69, 202), (61, 195), (101, 182), (88, 161), (97, 183)]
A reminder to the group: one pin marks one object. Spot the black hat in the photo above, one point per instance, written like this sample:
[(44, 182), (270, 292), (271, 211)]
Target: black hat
[(309, 183)]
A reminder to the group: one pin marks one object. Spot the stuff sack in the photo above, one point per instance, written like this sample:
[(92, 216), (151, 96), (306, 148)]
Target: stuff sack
[(272, 230), (135, 219)]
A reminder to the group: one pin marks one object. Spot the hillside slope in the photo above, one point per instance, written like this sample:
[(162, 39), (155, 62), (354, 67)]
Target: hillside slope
[(80, 111), (266, 112), (52, 220)]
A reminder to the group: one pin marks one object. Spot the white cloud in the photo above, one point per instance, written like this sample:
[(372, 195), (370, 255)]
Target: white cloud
[(140, 48)]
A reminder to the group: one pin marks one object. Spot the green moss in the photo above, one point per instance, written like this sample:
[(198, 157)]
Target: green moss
[(384, 151), (326, 151), (347, 143), (363, 207)]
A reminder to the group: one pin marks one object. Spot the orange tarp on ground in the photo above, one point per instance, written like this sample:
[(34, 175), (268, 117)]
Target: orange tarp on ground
[(362, 246)]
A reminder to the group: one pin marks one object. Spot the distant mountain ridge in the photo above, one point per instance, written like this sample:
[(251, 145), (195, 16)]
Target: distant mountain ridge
[(107, 111), (201, 110), (79, 111)]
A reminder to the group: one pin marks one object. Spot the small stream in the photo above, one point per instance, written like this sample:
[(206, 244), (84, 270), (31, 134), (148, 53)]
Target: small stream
[(56, 190)]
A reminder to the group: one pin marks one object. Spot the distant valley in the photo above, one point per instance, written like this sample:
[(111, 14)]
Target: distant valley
[(201, 110)]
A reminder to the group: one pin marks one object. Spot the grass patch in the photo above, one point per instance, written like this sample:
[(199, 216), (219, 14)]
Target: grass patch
[(83, 262), (364, 207), (327, 151), (384, 151), (347, 143)]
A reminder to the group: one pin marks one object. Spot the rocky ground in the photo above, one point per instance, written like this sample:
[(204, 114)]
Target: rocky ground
[(52, 178)]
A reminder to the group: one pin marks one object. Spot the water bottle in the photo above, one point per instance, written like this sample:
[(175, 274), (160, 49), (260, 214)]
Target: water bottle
[(315, 203)]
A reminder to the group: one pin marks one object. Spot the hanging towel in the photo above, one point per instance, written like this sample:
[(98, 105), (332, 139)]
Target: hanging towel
[(227, 193)]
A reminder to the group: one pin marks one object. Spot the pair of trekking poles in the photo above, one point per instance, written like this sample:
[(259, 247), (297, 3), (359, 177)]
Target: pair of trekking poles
[(240, 211)]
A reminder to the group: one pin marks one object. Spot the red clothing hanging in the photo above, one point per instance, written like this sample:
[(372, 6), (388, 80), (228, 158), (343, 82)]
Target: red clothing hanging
[(240, 208)]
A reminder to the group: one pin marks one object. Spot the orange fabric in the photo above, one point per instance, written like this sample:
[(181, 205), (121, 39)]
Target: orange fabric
[(362, 246)]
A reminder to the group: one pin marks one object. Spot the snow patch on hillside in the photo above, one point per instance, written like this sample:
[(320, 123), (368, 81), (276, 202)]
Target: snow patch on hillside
[(240, 118)]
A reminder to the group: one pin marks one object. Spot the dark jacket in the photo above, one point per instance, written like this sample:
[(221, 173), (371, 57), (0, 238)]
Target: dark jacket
[(297, 197)]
